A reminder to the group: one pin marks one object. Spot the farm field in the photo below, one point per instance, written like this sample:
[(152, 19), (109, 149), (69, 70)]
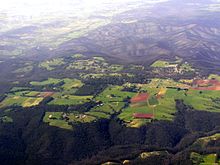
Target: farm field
[(209, 159), (112, 101), (205, 141), (20, 101), (94, 64), (25, 69), (177, 66), (214, 76), (110, 82), (56, 119), (99, 75), (26, 97), (46, 82), (52, 64), (163, 94), (65, 99), (77, 56), (160, 64)]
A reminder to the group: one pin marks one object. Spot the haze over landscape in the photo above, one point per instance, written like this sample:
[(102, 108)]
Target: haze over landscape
[(110, 82)]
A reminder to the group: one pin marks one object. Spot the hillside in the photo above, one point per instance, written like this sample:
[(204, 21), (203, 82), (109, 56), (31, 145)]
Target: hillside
[(106, 82)]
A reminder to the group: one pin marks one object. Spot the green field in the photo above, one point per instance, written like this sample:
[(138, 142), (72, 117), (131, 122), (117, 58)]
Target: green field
[(25, 69), (65, 99), (209, 159), (52, 64), (25, 97), (58, 121), (204, 141), (160, 64), (214, 76), (77, 56), (178, 64), (165, 107), (20, 101), (112, 99), (71, 84), (46, 82), (96, 64), (15, 89), (6, 119), (186, 67)]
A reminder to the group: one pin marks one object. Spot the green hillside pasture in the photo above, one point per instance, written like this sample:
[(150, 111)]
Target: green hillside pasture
[(78, 56), (15, 89), (57, 120), (99, 58), (186, 67), (6, 119), (214, 76), (99, 75), (25, 69), (52, 64), (161, 83), (98, 115), (32, 102), (160, 64), (204, 100), (106, 110), (97, 64), (204, 141), (165, 107), (114, 94), (71, 84), (65, 99), (46, 82), (27, 93), (210, 159), (113, 101), (20, 101), (163, 111), (115, 68)]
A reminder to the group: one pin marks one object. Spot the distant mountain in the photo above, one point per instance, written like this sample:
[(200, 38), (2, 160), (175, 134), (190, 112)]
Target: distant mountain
[(149, 39)]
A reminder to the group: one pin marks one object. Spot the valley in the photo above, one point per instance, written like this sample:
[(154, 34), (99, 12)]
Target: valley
[(126, 83)]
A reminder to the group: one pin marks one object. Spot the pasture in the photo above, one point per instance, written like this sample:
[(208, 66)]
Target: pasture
[(49, 81), (112, 101), (160, 64), (95, 64), (56, 119), (14, 100), (67, 99), (51, 64), (209, 159), (163, 94)]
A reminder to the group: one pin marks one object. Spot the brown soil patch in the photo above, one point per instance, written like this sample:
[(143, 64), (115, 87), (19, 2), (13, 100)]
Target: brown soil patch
[(141, 97)]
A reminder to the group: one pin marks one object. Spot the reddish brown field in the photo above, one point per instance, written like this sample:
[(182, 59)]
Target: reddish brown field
[(206, 85), (141, 97), (143, 116), (45, 94)]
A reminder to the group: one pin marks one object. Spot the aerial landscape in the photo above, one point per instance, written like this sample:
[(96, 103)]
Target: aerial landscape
[(110, 82)]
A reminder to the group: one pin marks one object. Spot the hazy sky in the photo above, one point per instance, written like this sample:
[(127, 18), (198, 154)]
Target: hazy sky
[(38, 7)]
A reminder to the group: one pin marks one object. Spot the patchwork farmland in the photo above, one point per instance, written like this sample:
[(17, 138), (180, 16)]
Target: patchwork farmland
[(134, 104)]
